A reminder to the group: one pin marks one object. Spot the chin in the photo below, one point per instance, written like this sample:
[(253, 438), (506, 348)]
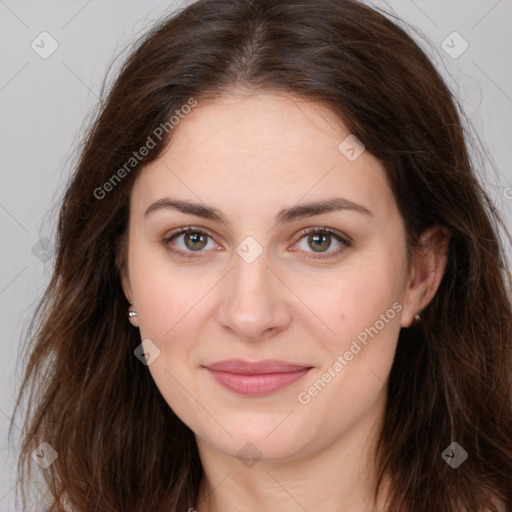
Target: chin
[(262, 440)]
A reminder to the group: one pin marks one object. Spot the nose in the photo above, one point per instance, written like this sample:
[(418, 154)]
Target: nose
[(255, 302)]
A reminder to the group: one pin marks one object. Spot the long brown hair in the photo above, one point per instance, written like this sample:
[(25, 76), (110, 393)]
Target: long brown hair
[(120, 446)]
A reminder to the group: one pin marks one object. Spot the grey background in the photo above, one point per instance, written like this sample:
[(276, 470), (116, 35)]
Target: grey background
[(44, 103)]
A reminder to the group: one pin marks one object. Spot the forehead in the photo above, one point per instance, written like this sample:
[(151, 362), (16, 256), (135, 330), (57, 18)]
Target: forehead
[(258, 150)]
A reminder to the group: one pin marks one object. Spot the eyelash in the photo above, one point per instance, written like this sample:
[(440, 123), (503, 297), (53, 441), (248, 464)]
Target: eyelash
[(307, 231)]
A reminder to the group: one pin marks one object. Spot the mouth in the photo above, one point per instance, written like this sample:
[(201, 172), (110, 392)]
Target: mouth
[(256, 378)]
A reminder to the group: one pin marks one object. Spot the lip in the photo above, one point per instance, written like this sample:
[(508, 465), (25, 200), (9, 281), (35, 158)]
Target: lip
[(243, 367), (256, 377)]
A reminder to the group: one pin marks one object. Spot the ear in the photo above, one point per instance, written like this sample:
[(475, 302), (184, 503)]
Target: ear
[(127, 289), (126, 286), (427, 270)]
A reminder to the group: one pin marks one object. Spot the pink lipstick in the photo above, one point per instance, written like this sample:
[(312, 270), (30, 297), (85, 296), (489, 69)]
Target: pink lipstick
[(258, 377)]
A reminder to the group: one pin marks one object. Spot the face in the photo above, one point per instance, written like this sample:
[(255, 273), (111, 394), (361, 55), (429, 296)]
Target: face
[(265, 273)]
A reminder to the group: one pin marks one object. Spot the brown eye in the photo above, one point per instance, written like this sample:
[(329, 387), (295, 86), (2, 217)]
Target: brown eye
[(320, 240), (195, 240), (188, 241)]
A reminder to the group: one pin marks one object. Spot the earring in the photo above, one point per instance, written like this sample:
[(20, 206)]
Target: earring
[(131, 312), (417, 317)]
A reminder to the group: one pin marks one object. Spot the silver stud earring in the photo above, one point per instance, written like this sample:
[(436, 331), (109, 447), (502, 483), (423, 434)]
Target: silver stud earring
[(131, 312), (417, 317)]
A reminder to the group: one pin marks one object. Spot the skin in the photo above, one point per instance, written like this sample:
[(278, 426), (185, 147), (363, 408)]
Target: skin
[(249, 156)]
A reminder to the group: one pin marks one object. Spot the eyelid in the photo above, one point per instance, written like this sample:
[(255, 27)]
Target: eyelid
[(186, 229), (324, 229)]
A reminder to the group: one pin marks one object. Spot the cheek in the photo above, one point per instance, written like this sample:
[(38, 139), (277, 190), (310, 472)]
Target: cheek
[(364, 313), (356, 299), (362, 305), (166, 294), (168, 305), (165, 305)]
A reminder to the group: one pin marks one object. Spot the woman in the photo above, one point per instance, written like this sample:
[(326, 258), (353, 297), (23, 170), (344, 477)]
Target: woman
[(278, 282)]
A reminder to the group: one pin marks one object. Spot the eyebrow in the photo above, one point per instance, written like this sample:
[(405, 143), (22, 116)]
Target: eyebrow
[(286, 215)]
